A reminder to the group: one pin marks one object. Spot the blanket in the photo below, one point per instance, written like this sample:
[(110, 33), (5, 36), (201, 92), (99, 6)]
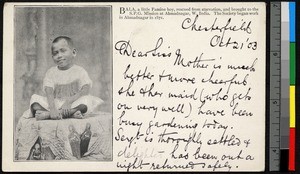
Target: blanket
[(89, 138)]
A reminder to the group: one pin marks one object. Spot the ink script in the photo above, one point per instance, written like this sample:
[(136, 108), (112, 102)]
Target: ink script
[(189, 87)]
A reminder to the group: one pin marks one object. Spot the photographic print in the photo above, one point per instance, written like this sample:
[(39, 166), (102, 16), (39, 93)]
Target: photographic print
[(62, 83)]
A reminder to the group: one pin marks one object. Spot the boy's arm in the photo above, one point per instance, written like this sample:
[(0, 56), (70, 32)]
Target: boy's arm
[(82, 92), (50, 97)]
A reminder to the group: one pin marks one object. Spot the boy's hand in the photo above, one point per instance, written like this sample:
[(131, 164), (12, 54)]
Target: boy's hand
[(55, 114), (66, 109), (65, 113)]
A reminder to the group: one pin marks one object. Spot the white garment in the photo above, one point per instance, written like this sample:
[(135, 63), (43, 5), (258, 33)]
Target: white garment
[(67, 83)]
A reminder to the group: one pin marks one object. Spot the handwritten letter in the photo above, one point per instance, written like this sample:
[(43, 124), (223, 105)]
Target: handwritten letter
[(189, 86)]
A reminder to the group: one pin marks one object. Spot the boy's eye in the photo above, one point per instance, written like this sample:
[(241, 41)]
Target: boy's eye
[(54, 53)]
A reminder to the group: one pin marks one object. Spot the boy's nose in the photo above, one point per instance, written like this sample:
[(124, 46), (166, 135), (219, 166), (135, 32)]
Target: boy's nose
[(59, 55)]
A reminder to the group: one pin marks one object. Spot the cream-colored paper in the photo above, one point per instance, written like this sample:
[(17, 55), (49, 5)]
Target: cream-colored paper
[(187, 84)]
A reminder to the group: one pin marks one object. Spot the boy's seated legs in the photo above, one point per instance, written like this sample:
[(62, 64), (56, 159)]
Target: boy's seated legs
[(74, 112), (40, 109), (41, 113)]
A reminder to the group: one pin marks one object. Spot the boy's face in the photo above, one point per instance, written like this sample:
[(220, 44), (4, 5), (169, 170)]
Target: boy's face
[(63, 54)]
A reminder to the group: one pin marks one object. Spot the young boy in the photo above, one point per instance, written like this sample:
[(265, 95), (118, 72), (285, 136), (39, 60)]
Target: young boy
[(66, 86)]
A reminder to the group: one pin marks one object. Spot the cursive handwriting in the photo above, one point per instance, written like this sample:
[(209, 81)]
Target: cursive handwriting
[(220, 39), (125, 48), (193, 25), (181, 109), (196, 63)]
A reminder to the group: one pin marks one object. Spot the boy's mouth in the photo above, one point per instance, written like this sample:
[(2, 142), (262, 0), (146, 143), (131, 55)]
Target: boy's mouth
[(60, 61)]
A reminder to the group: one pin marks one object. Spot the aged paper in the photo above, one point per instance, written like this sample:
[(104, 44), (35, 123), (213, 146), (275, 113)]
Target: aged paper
[(175, 87)]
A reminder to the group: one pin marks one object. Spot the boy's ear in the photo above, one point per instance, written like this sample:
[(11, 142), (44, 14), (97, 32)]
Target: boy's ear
[(74, 52)]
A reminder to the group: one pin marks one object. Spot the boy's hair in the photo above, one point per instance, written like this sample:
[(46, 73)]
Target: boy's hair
[(66, 38)]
